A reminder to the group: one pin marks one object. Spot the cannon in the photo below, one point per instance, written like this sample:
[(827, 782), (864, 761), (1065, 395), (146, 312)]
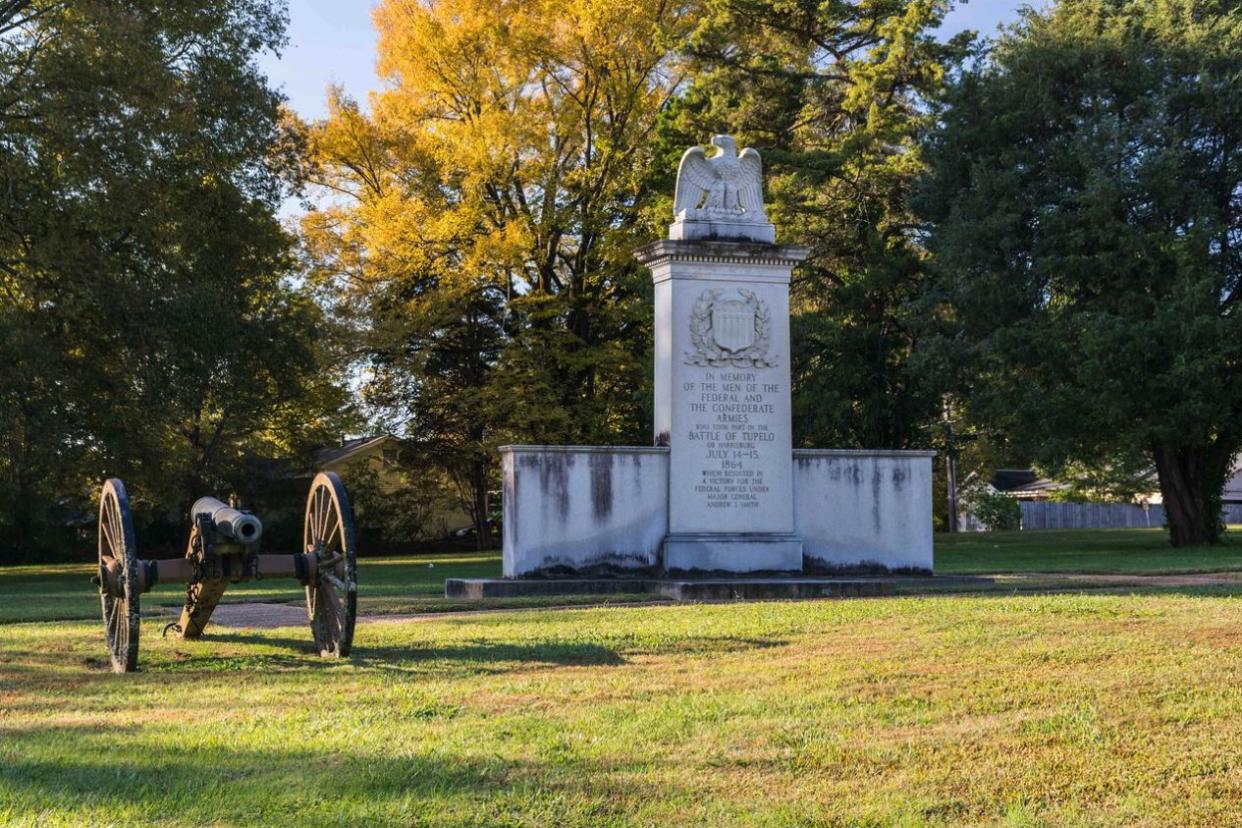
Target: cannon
[(223, 548)]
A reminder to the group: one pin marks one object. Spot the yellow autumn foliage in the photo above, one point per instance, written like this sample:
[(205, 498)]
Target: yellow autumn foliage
[(507, 143)]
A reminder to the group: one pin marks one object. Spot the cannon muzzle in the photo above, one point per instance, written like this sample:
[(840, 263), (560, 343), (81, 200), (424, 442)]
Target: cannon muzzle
[(235, 524)]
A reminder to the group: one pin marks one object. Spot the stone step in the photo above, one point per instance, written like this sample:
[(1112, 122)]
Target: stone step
[(679, 589), (774, 588)]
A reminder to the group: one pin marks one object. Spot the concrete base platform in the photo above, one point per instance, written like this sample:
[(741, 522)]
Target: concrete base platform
[(707, 589), (686, 554)]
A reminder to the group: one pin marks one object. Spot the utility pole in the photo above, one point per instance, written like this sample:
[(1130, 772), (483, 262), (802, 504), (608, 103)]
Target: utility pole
[(950, 466)]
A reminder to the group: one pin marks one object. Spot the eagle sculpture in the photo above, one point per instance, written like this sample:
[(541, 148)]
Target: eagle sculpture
[(725, 187)]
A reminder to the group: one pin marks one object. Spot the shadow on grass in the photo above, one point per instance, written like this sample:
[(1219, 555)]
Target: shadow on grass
[(560, 653), (498, 655), (478, 655), (483, 653)]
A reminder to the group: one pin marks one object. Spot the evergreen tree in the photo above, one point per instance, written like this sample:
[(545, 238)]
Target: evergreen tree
[(835, 95), (1086, 216)]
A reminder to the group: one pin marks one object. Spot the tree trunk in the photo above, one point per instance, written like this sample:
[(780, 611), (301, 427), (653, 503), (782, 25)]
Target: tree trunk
[(23, 541), (478, 483), (1191, 490), (23, 518)]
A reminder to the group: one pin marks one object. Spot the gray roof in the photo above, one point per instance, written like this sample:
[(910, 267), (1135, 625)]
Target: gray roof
[(1007, 480), (332, 454)]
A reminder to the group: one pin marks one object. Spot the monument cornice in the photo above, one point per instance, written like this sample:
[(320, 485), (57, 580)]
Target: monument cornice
[(721, 252)]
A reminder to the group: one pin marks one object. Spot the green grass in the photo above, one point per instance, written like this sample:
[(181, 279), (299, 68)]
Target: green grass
[(1130, 551), (1057, 710), (1002, 710)]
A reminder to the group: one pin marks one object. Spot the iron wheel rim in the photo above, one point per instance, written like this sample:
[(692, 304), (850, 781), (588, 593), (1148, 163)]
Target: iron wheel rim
[(118, 548), (332, 601)]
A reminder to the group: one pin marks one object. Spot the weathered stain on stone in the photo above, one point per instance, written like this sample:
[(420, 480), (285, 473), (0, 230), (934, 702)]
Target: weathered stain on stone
[(601, 485), (877, 479), (554, 469), (853, 474), (815, 565), (901, 472), (603, 563), (509, 499)]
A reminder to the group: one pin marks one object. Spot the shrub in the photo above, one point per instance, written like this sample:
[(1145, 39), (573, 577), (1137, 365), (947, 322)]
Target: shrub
[(996, 511)]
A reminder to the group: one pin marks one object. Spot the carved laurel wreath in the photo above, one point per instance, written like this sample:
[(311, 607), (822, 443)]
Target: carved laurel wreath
[(708, 354)]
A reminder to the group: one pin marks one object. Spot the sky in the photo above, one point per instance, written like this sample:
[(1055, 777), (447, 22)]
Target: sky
[(332, 42)]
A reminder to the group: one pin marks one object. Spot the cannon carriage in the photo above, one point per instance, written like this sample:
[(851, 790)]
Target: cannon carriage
[(223, 548)]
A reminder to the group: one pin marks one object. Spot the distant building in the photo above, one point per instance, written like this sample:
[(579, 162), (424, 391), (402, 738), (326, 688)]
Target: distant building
[(1233, 486), (1024, 484), (380, 454)]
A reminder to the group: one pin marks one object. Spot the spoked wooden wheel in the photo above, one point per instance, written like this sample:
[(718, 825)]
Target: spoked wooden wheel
[(118, 576), (332, 599)]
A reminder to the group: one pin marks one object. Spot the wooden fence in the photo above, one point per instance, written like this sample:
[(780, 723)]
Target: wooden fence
[(1043, 514)]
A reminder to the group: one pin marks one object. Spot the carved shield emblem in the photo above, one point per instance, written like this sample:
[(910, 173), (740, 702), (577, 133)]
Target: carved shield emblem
[(733, 325), (730, 332)]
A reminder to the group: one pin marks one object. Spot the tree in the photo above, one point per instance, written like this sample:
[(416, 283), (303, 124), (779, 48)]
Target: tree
[(1085, 210), (835, 95), (150, 329), (482, 215), (1122, 479)]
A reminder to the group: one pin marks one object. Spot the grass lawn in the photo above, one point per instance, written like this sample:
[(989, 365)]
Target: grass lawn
[(986, 709), (1092, 550), (946, 710)]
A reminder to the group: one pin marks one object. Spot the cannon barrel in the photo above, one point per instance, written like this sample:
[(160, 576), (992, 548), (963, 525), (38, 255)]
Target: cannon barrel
[(240, 526)]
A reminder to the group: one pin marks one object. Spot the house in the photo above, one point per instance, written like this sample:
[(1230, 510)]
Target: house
[(1232, 495), (1027, 485), (379, 454), (378, 457), (1024, 484)]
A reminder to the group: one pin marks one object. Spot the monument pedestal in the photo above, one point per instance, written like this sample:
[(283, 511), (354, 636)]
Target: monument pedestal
[(722, 403)]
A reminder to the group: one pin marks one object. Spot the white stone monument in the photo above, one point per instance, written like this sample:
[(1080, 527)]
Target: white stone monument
[(722, 491), (722, 401)]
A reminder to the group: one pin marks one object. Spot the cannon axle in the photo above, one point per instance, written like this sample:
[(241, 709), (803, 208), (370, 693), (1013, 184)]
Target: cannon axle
[(304, 567)]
